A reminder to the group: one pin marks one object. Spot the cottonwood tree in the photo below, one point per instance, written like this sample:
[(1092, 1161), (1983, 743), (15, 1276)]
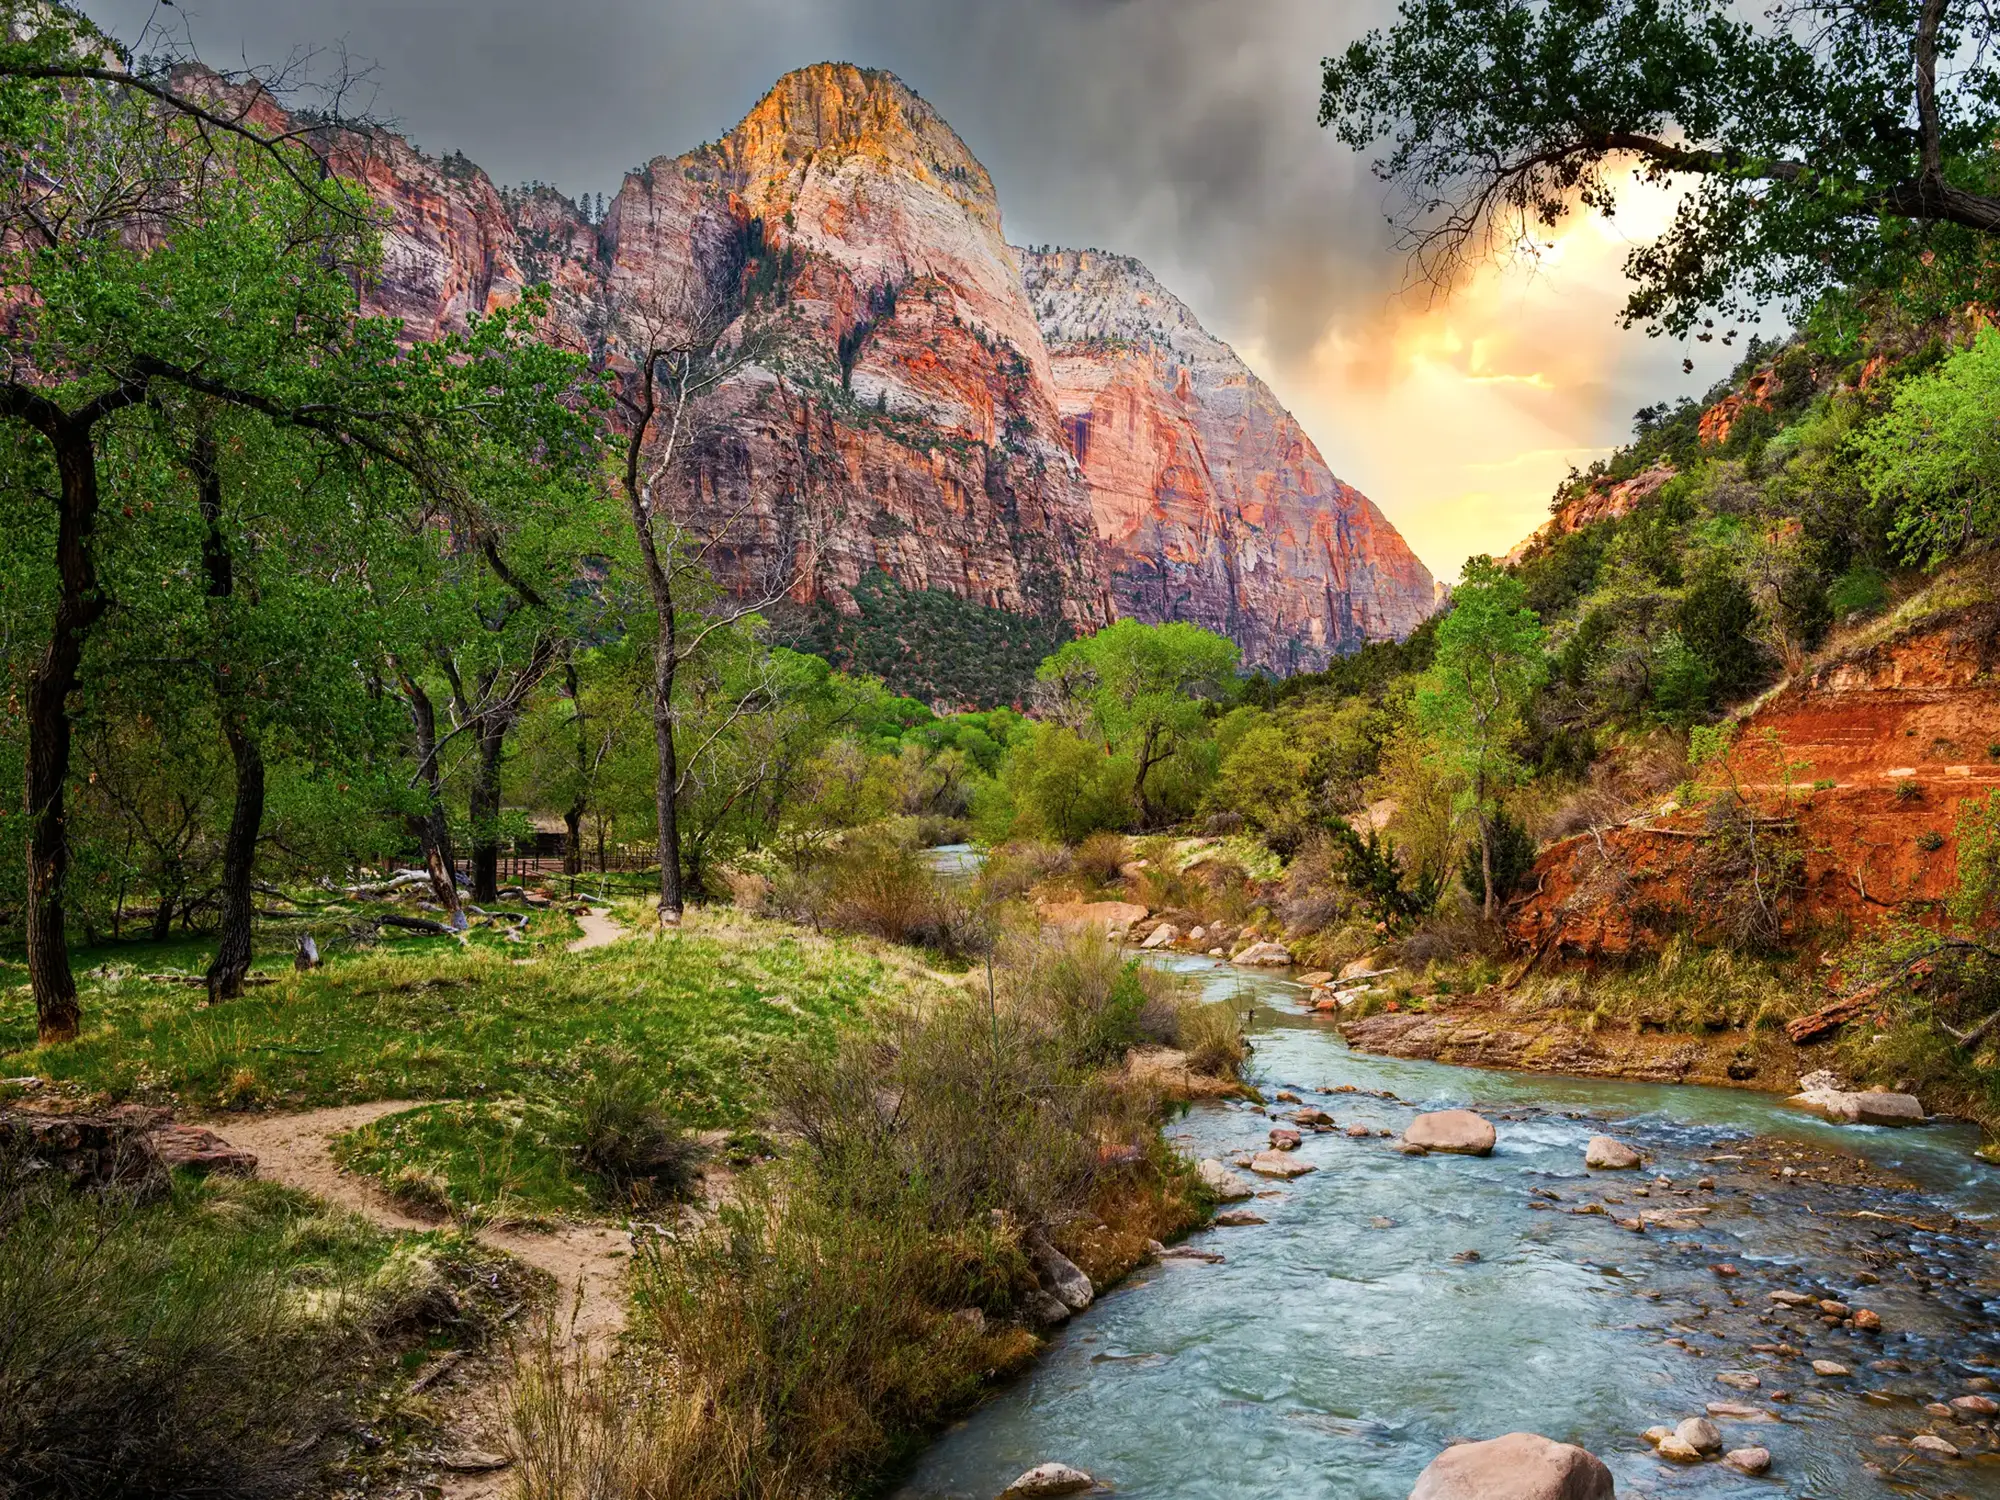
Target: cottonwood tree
[(1147, 691), (681, 346), (1470, 703), (140, 255), (1825, 144)]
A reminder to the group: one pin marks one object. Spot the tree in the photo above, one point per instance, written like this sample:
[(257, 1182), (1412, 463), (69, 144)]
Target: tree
[(685, 345), (1935, 455), (1146, 690), (1470, 704), (142, 256), (1832, 144)]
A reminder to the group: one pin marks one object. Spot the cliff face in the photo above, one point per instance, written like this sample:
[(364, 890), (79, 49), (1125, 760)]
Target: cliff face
[(1211, 503), (1858, 771), (911, 419)]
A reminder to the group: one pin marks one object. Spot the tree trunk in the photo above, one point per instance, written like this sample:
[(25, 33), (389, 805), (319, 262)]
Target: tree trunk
[(573, 816), (163, 917), (665, 802), (484, 806), (1486, 861), (432, 829), (233, 947), (239, 857), (79, 606)]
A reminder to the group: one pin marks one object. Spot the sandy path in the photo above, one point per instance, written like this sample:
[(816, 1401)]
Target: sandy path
[(599, 931), (296, 1150)]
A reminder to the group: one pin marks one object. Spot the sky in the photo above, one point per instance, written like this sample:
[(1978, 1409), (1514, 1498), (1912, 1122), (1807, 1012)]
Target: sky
[(1180, 131)]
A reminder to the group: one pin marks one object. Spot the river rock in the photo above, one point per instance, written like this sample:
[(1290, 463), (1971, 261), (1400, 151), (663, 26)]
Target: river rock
[(1790, 1299), (1749, 1460), (1264, 956), (1239, 1218), (1931, 1443), (1699, 1434), (1316, 978), (1313, 1119), (1867, 1320), (1519, 1466), (1832, 1368), (1742, 1380), (1222, 1182), (1043, 1308), (1657, 1435), (1609, 1154), (1161, 936), (1677, 1449), (1458, 1131), (1975, 1406), (1870, 1108), (1048, 1479), (1279, 1164), (1284, 1140), (1059, 1275)]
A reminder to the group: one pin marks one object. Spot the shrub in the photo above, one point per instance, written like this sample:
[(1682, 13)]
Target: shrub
[(1099, 857), (136, 1361), (627, 1139), (1513, 859)]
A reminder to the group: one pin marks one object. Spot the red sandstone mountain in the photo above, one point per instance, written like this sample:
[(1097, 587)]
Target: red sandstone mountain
[(1212, 504), (916, 422)]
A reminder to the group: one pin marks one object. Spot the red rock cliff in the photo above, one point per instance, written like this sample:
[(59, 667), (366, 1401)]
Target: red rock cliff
[(1212, 504), (1859, 769), (916, 422)]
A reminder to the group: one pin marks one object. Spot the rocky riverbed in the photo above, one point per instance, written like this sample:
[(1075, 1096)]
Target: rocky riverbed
[(1822, 1293)]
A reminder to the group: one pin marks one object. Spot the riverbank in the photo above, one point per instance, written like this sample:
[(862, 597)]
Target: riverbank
[(1366, 1314), (1481, 1033)]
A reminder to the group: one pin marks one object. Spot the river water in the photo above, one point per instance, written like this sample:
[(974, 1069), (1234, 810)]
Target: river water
[(1344, 1342)]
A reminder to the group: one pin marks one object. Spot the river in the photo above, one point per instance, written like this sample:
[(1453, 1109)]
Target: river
[(1345, 1341)]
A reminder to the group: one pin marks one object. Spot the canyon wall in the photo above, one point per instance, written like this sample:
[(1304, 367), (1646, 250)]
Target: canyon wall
[(1211, 503), (1059, 440)]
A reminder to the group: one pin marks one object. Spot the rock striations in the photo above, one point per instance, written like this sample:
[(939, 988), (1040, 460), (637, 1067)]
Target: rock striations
[(1059, 439), (1212, 504)]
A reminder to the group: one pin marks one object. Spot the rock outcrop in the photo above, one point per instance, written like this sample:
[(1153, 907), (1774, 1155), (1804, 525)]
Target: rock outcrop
[(911, 423), (1858, 772), (1212, 504)]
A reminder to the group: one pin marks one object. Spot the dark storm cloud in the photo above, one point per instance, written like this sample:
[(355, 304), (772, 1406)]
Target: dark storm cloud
[(1180, 131)]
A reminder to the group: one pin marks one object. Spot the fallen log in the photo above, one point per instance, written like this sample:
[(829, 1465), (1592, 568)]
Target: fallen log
[(1828, 1019)]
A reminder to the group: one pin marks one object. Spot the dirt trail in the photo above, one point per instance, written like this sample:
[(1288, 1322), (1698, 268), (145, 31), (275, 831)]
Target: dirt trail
[(296, 1150), (599, 931), (587, 1261)]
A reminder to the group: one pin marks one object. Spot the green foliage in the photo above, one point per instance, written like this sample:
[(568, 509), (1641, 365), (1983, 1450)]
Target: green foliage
[(1147, 692), (1935, 454), (1372, 868), (1798, 144), (1975, 903), (1513, 859), (934, 645), (1058, 785)]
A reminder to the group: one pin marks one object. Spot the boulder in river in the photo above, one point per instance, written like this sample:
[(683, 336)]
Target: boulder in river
[(1519, 1466), (1048, 1479), (1975, 1406), (1833, 1369), (1699, 1434), (1935, 1446), (1457, 1131), (1677, 1449), (1161, 936), (1264, 956), (1607, 1153), (1749, 1460), (1870, 1108), (1284, 1140), (1279, 1164), (1225, 1184)]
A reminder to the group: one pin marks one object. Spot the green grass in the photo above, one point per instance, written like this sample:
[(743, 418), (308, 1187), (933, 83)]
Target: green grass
[(702, 1011), (186, 1343), (511, 1159), (503, 1046)]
